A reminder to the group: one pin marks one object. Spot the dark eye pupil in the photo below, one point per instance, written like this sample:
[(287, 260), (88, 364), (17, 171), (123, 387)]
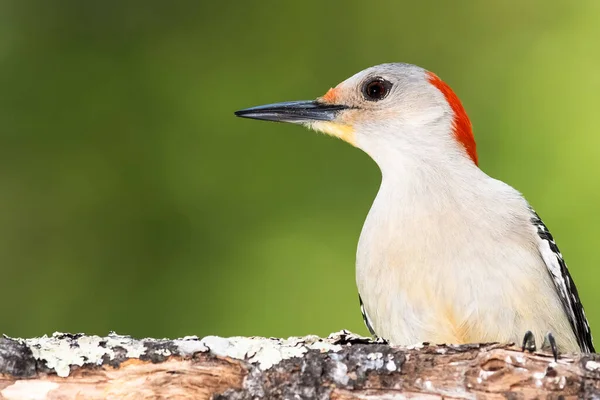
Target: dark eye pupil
[(376, 89)]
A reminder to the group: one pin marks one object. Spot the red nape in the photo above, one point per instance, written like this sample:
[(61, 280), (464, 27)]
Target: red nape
[(462, 125)]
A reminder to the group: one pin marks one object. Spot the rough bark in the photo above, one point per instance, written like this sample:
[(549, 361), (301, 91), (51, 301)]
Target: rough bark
[(343, 366)]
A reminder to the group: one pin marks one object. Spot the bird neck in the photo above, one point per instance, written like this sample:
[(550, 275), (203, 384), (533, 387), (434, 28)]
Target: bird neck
[(421, 164), (431, 181)]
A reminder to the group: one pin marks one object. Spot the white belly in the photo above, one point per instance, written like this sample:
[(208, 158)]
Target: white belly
[(433, 273)]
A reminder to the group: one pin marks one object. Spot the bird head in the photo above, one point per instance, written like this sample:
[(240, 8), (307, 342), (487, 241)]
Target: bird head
[(390, 111)]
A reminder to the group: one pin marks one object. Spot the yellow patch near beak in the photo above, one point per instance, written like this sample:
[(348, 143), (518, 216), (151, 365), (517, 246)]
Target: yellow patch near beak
[(344, 132)]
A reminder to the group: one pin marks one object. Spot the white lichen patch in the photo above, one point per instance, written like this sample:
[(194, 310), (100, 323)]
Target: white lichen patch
[(339, 373), (262, 351), (390, 366), (60, 351), (592, 365), (325, 347), (163, 352), (267, 352), (374, 356), (373, 361)]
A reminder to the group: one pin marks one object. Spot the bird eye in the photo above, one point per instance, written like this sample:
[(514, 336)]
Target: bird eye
[(376, 89)]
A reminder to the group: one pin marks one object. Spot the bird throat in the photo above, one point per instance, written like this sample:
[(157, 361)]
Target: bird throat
[(341, 131)]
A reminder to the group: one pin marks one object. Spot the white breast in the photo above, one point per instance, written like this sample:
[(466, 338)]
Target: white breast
[(455, 264)]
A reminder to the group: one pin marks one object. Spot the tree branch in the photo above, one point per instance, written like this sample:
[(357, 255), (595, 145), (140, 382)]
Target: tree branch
[(343, 366)]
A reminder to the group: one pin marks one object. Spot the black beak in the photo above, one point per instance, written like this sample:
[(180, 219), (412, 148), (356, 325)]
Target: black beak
[(297, 112)]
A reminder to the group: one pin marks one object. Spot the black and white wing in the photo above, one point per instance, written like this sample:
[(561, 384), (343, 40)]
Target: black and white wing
[(564, 285), (366, 317)]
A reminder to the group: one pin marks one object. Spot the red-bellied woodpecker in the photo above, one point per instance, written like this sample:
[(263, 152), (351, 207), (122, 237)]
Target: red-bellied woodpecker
[(447, 254)]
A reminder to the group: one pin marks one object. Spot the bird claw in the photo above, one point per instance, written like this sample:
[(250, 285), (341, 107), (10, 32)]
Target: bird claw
[(549, 342), (529, 342)]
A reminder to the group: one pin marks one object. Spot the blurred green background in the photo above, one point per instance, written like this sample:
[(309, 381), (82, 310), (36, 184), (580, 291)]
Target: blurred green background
[(133, 200)]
